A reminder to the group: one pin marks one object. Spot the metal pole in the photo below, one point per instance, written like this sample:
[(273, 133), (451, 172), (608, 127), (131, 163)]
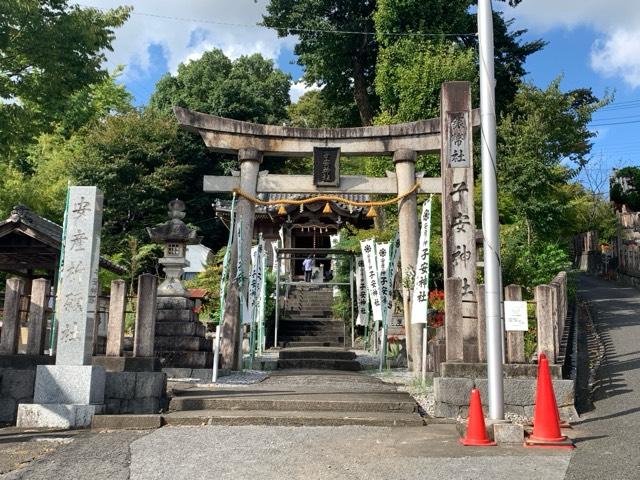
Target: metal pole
[(275, 338), (216, 354), (490, 226)]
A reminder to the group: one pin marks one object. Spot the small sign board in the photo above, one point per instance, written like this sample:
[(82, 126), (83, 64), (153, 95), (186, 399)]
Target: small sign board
[(515, 316), (326, 166)]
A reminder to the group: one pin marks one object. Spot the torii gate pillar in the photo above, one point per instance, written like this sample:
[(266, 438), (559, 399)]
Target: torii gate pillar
[(231, 344), (405, 162)]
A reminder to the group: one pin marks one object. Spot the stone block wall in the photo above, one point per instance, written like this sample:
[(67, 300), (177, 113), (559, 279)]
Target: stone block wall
[(135, 392), (16, 386), (452, 396)]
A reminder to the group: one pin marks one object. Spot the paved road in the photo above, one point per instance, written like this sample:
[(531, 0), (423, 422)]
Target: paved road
[(610, 443)]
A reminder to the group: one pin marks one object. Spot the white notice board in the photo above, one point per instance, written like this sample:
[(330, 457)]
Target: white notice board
[(515, 316)]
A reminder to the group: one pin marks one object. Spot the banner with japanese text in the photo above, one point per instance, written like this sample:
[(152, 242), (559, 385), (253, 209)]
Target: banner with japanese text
[(361, 293), (371, 271), (421, 279)]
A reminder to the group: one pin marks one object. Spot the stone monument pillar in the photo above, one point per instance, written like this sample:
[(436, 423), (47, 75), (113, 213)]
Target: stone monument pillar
[(179, 337), (70, 392), (458, 220)]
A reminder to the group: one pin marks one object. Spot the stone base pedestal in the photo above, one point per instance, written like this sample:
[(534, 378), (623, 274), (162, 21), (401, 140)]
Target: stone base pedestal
[(180, 337), (56, 415), (65, 396), (127, 364)]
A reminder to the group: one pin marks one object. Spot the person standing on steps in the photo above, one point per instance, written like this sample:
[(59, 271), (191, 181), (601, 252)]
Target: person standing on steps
[(308, 267)]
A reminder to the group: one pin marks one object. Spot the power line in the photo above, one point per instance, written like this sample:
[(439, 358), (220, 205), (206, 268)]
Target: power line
[(615, 123), (291, 29)]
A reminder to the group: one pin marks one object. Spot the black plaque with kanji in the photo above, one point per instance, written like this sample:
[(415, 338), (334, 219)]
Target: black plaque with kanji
[(326, 166)]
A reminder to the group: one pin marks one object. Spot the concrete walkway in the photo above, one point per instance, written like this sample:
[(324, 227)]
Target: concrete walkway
[(609, 443)]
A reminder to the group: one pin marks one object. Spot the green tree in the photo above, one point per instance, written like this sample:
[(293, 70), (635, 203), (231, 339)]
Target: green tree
[(542, 142), (49, 51), (250, 88), (343, 63), (339, 41), (138, 163), (314, 110)]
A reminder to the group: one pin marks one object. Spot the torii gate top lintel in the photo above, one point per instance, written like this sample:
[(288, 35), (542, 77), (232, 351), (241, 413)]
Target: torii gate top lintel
[(228, 136)]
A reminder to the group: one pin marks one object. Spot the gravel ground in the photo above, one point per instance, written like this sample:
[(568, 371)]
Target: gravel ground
[(611, 431), (406, 382), (235, 379)]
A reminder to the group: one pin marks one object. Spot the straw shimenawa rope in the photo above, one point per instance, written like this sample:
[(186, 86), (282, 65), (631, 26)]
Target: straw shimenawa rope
[(325, 198)]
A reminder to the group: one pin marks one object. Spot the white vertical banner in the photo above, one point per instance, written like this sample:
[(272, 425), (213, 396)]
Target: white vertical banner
[(274, 247), (421, 279), (382, 258), (393, 269), (334, 239), (255, 279), (371, 271), (361, 293)]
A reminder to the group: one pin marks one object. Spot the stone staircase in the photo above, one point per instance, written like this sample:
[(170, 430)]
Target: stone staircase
[(297, 399), (318, 359), (307, 318)]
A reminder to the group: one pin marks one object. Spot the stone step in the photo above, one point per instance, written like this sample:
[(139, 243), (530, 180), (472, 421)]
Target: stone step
[(307, 316), (180, 329), (184, 359), (182, 343), (337, 354), (292, 418), (319, 364), (310, 338), (311, 322), (332, 332), (275, 401), (287, 344)]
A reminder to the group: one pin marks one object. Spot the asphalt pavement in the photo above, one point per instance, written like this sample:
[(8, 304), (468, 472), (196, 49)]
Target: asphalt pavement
[(609, 443)]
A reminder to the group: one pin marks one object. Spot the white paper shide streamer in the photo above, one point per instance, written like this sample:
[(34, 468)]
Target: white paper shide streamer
[(421, 280)]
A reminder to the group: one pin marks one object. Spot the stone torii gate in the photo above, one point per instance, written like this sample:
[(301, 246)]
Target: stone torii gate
[(451, 135)]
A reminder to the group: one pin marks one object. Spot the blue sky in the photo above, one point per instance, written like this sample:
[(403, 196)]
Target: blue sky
[(592, 43)]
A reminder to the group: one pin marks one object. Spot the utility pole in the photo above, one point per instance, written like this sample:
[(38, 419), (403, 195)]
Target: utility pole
[(490, 225)]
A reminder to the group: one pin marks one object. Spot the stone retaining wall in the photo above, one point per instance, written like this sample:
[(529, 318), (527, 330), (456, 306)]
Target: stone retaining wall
[(16, 387), (452, 396), (135, 392)]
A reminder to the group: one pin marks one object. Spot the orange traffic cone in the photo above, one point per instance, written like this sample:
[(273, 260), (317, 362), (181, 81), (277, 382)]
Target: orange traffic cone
[(546, 417), (476, 430)]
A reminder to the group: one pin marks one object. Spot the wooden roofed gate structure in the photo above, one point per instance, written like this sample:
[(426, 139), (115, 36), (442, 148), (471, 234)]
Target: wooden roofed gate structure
[(450, 135)]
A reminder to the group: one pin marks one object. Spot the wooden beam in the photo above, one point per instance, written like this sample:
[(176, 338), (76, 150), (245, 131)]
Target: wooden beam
[(349, 184)]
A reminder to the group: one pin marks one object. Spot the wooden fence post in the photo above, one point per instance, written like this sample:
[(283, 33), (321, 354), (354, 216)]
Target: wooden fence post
[(11, 322), (482, 326), (515, 339), (37, 322), (544, 314), (453, 320), (115, 324), (146, 315)]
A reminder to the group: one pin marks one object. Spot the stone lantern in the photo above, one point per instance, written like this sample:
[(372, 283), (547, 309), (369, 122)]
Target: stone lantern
[(175, 236)]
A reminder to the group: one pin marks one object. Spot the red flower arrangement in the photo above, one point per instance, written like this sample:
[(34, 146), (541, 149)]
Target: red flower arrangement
[(436, 303)]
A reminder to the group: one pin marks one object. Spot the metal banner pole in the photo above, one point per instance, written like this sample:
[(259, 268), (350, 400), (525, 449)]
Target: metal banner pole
[(490, 225), (216, 354), (275, 336)]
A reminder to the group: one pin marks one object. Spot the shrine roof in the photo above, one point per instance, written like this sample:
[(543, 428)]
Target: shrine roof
[(29, 241)]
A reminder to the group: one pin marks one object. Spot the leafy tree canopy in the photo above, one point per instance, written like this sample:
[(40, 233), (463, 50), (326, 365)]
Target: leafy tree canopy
[(49, 51), (249, 88), (542, 142)]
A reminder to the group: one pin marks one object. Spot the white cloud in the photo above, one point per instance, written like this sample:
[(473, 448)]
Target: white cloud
[(185, 29), (616, 50), (299, 88)]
